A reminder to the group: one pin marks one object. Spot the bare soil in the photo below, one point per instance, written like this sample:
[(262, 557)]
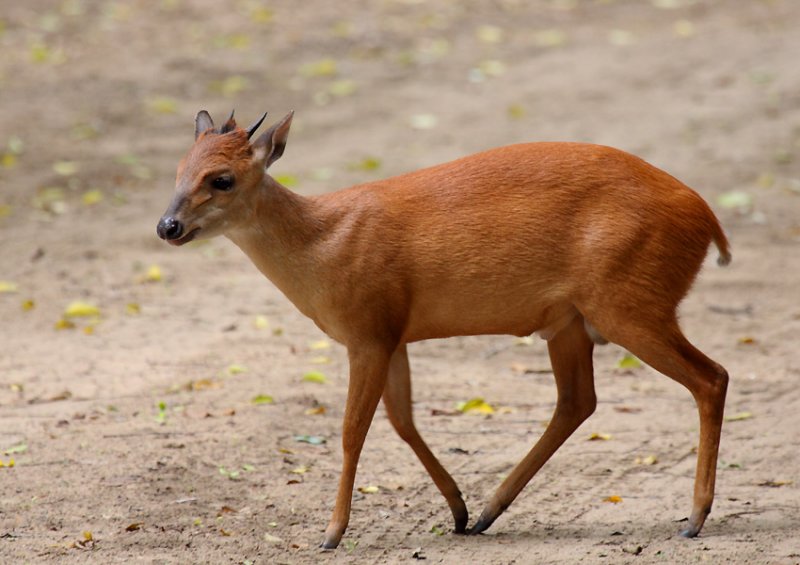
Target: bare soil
[(134, 430)]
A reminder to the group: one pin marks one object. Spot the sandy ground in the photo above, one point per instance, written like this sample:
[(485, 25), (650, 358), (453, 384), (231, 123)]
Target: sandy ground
[(138, 429)]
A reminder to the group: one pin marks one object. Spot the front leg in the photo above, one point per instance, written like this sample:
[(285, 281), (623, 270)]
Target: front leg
[(369, 365)]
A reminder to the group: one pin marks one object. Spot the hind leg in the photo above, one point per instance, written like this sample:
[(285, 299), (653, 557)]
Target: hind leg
[(397, 399), (571, 356), (662, 346)]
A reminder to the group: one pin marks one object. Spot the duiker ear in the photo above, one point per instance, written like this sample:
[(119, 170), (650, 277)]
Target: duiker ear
[(202, 122), (270, 145), (229, 125)]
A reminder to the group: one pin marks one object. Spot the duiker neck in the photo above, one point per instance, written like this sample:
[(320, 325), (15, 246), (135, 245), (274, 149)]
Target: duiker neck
[(279, 236)]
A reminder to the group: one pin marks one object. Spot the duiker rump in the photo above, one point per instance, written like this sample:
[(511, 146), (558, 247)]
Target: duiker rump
[(579, 243)]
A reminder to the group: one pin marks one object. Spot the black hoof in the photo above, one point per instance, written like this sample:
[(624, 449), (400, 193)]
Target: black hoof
[(461, 524), (480, 526), (328, 545), (690, 532)]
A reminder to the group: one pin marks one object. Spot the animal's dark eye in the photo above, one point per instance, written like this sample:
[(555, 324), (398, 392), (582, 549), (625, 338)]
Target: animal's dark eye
[(223, 183)]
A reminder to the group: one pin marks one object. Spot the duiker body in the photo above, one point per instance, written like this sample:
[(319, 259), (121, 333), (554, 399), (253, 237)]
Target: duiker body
[(579, 243)]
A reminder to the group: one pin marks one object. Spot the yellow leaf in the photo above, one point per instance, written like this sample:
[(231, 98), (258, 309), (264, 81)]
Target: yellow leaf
[(747, 340), (153, 274), (342, 88), (649, 460), (8, 160), (739, 416), (322, 68), (315, 377), (261, 322), (261, 15), (132, 309), (317, 410), (301, 470), (28, 305), (88, 330), (91, 197), (550, 38), (8, 287), (235, 369), (599, 437), (320, 360), (318, 345), (424, 121), (204, 384), (65, 168), (477, 405), (516, 111), (5, 210), (87, 535), (63, 324), (683, 28), (489, 34), (614, 499), (369, 489), (526, 340), (163, 105), (629, 361), (80, 309)]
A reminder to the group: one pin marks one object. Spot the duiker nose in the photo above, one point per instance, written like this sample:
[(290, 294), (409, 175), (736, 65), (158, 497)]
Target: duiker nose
[(169, 228)]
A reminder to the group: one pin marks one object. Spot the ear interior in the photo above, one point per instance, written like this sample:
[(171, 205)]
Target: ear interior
[(270, 145), (202, 122)]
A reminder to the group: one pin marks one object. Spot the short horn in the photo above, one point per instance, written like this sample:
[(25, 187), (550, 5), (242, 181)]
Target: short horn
[(252, 129)]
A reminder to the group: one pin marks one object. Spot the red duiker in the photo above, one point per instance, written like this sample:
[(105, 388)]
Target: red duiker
[(579, 243)]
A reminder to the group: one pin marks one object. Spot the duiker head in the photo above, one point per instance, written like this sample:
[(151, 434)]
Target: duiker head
[(213, 189)]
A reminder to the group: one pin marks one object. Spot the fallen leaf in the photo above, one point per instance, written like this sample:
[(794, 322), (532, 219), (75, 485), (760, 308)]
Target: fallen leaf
[(80, 309), (321, 68), (224, 532), (613, 499), (342, 88), (423, 121), (477, 405), (649, 460), (269, 538), (317, 410), (153, 274), (315, 377), (774, 484), (550, 38), (735, 199), (629, 361), (8, 287), (319, 344), (261, 322), (92, 197), (162, 105), (313, 440), (64, 324), (595, 436), (369, 489), (19, 448), (366, 164), (746, 340), (437, 529), (65, 168), (289, 181), (132, 308), (683, 28), (133, 527), (516, 111), (627, 409), (739, 416), (235, 369), (489, 34), (262, 399), (301, 470), (320, 360)]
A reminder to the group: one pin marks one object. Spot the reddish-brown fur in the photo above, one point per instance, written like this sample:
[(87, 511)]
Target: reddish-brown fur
[(579, 243)]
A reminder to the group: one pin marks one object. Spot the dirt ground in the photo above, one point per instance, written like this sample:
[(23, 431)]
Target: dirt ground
[(134, 434)]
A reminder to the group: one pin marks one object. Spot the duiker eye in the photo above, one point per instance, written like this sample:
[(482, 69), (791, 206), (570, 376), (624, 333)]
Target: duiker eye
[(223, 183)]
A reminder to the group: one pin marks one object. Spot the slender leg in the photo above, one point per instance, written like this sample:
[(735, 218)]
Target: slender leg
[(666, 349), (368, 370), (397, 399), (571, 357)]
